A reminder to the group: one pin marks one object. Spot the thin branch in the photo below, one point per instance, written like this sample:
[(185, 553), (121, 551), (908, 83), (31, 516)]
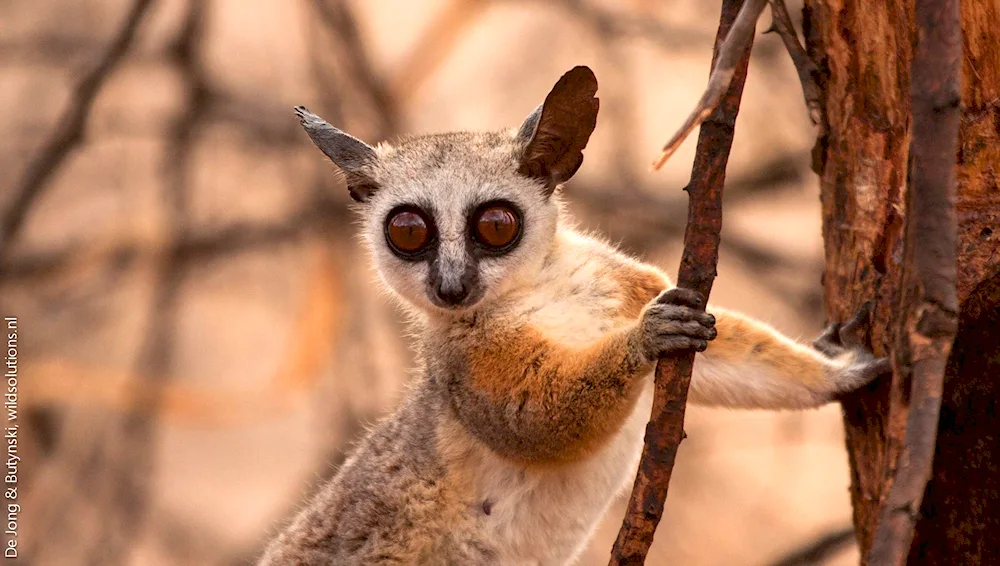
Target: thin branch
[(928, 307), (736, 44), (697, 271), (818, 550), (69, 130), (781, 23)]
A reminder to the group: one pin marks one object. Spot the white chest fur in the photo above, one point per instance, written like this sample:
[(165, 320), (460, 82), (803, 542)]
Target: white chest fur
[(546, 516)]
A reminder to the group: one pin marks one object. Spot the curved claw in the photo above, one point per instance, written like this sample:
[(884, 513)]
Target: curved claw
[(838, 338), (850, 333), (864, 373), (828, 342)]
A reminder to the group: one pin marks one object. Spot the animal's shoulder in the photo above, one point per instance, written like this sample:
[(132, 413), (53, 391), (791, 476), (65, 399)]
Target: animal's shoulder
[(586, 289)]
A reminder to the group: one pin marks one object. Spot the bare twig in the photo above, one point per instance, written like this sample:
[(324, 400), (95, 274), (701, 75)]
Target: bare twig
[(697, 271), (928, 307), (69, 128), (807, 70), (736, 44)]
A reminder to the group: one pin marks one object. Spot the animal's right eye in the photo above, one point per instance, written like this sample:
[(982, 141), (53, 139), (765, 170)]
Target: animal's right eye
[(408, 231)]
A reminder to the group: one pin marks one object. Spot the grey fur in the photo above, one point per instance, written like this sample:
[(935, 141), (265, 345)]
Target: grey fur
[(530, 124), (352, 155), (385, 504)]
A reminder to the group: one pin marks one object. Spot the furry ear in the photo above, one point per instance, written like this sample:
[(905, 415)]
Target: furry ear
[(558, 130), (352, 155)]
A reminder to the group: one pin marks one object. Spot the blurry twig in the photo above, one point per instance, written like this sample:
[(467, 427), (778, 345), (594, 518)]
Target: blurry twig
[(69, 128), (68, 384), (439, 39), (620, 107), (723, 69), (621, 26), (820, 550), (435, 44), (263, 123), (133, 462), (236, 238), (342, 26)]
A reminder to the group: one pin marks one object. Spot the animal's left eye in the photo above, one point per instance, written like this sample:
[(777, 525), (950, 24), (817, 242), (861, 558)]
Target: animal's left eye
[(496, 226), (408, 230)]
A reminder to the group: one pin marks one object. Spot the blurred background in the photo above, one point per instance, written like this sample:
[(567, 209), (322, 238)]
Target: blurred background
[(201, 335)]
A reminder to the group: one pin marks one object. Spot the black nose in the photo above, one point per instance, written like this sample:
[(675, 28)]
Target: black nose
[(452, 293)]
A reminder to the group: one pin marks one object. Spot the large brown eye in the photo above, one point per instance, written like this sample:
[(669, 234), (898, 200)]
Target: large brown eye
[(407, 231), (496, 226)]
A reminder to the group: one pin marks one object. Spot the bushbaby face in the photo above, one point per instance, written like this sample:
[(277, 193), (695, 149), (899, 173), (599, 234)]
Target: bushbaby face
[(453, 220)]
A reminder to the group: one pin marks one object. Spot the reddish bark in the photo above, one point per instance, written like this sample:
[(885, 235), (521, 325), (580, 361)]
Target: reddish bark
[(864, 51)]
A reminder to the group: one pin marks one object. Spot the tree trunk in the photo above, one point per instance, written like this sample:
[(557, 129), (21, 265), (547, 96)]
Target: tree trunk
[(863, 49)]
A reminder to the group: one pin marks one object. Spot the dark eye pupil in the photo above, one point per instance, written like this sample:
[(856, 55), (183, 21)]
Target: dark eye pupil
[(408, 231), (496, 226)]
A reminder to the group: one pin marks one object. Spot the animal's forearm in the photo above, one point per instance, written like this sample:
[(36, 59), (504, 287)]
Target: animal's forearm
[(751, 365), (531, 399)]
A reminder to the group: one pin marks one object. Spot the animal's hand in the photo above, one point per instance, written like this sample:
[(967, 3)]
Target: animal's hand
[(672, 323), (844, 341)]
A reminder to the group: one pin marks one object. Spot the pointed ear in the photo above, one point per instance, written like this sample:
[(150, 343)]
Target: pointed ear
[(352, 155), (557, 131)]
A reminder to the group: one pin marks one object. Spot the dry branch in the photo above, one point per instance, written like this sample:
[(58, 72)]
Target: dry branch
[(69, 127), (928, 307), (724, 67), (697, 271), (807, 70)]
